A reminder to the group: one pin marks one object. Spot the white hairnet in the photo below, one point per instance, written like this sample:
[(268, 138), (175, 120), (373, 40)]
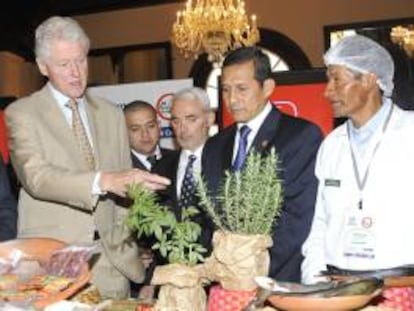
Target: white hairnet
[(364, 55)]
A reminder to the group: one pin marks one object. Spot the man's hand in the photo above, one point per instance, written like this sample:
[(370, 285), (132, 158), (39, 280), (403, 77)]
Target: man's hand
[(116, 182)]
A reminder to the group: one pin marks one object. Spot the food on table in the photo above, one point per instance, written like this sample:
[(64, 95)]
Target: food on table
[(39, 286), (31, 280), (8, 281), (89, 295)]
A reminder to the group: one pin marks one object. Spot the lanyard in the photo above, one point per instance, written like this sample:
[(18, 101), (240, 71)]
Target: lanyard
[(361, 182)]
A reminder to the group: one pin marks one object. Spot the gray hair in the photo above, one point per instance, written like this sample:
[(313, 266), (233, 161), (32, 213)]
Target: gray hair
[(193, 93), (58, 28)]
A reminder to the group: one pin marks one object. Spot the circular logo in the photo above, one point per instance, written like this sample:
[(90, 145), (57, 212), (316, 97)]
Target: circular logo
[(163, 106), (367, 222)]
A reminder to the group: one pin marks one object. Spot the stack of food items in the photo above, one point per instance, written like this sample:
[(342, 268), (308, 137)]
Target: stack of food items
[(35, 275), (39, 286)]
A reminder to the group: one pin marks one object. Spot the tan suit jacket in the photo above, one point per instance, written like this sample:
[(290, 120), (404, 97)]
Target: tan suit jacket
[(56, 199)]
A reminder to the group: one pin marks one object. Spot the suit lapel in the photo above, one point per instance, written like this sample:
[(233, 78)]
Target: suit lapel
[(54, 116), (173, 186), (267, 131), (57, 123), (227, 155), (136, 163)]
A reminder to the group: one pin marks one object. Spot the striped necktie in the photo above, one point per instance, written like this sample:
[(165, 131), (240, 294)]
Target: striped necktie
[(81, 135)]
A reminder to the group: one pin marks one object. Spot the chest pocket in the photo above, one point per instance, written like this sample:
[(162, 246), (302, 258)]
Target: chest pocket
[(337, 196)]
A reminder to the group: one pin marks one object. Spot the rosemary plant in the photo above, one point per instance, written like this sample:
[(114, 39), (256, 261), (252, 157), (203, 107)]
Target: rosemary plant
[(249, 200), (176, 240)]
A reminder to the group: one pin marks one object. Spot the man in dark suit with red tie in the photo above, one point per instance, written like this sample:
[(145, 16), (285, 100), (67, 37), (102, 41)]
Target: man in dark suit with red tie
[(246, 87)]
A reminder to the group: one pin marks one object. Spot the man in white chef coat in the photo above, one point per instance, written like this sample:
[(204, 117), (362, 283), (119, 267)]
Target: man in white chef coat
[(364, 210)]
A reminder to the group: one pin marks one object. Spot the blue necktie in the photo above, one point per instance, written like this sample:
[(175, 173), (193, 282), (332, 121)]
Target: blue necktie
[(188, 185), (242, 151)]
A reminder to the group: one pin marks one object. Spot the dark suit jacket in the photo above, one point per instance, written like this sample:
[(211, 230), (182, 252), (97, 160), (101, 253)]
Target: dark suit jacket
[(136, 163), (168, 167), (8, 206), (166, 156), (296, 141)]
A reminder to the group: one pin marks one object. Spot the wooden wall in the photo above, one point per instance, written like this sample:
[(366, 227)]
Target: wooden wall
[(300, 20)]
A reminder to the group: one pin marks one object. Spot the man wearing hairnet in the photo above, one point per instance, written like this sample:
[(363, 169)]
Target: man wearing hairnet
[(364, 211)]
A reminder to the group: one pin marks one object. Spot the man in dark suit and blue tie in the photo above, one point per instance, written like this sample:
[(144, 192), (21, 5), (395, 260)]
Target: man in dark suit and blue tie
[(191, 119), (246, 87)]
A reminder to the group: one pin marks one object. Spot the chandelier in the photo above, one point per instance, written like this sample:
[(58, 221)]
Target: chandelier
[(404, 37), (214, 27)]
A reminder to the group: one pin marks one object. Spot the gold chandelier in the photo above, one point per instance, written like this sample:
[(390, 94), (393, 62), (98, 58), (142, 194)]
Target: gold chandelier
[(404, 37), (214, 27)]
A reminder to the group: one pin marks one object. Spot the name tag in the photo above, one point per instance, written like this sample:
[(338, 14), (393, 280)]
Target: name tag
[(332, 183)]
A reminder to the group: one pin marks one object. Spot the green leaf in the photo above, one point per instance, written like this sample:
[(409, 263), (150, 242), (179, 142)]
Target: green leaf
[(249, 200), (174, 239), (158, 233)]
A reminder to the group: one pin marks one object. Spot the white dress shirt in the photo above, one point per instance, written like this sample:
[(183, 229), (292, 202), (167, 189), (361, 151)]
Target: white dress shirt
[(254, 125), (144, 158), (63, 100), (365, 138)]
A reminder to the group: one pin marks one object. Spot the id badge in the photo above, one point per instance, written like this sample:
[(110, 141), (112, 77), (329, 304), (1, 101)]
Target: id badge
[(359, 240)]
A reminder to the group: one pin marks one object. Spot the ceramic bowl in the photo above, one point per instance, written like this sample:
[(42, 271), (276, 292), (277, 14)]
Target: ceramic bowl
[(343, 303), (348, 295)]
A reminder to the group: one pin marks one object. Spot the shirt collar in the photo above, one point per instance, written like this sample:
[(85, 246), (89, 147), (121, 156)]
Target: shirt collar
[(143, 157), (255, 123), (62, 99), (377, 120), (186, 153)]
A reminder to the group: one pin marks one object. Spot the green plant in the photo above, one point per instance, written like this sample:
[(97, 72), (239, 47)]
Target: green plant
[(176, 240), (249, 201)]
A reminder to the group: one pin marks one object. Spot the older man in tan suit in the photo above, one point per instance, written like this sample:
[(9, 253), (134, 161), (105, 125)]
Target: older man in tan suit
[(71, 154)]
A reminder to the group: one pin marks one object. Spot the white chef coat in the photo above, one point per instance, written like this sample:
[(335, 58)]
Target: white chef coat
[(378, 235)]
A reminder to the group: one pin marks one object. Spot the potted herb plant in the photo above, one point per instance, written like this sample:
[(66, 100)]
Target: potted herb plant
[(245, 212), (181, 280)]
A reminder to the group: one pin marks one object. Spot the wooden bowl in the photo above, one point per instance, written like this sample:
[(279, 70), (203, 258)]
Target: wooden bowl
[(40, 249), (303, 303)]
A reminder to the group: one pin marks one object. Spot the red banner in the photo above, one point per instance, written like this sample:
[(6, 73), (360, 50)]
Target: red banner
[(3, 138), (299, 100)]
